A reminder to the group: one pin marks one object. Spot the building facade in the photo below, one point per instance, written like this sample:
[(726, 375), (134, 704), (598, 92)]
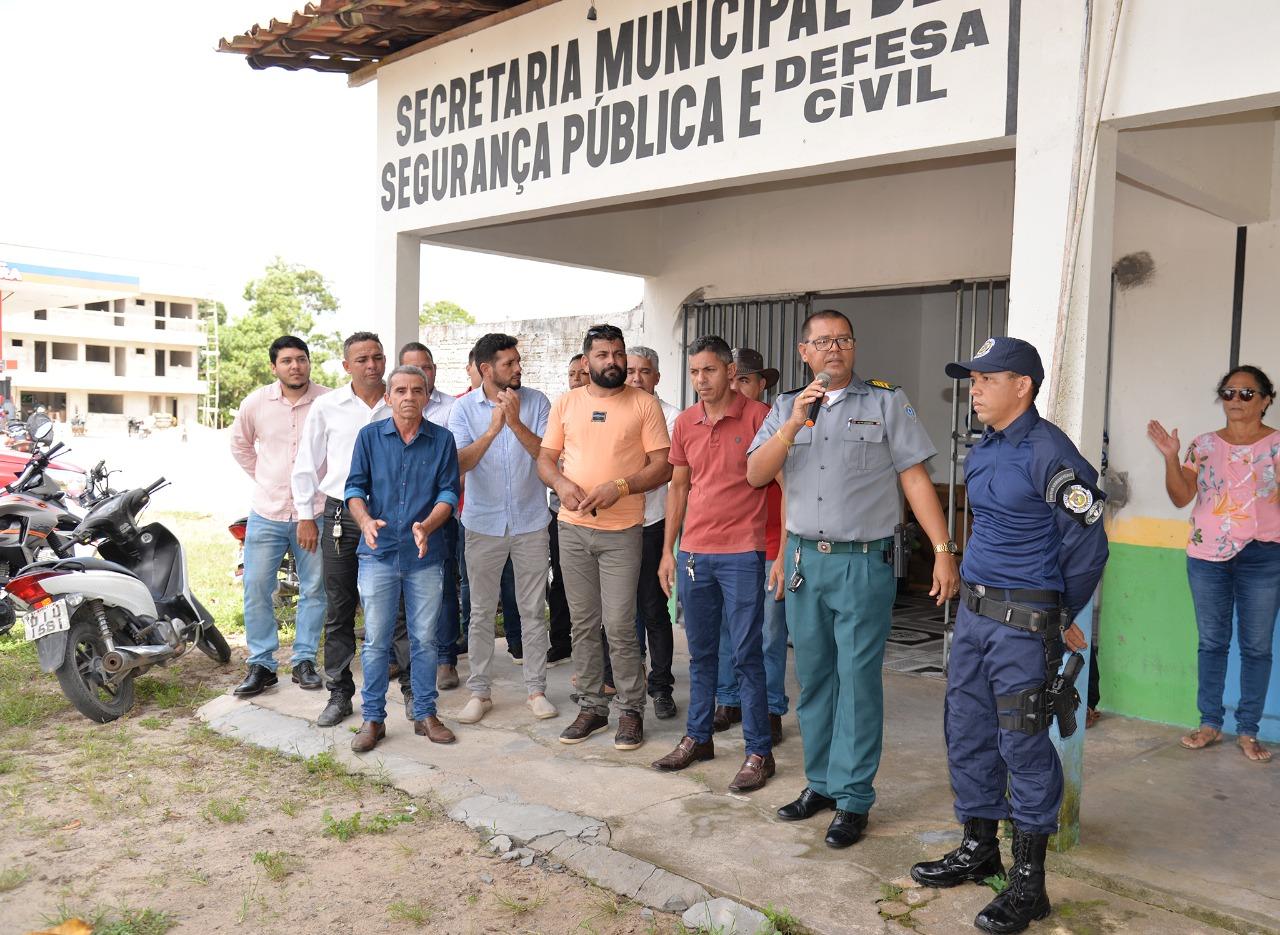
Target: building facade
[(88, 339), (941, 170)]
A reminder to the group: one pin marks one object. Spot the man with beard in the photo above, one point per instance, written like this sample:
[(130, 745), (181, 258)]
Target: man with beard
[(498, 429), (324, 459), (271, 418), (402, 487), (841, 469), (614, 442)]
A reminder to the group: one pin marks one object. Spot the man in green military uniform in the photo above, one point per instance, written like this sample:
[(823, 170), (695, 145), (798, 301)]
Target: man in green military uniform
[(841, 471)]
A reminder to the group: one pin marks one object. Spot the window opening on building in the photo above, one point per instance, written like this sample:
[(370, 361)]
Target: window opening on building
[(106, 404), (97, 354), (63, 350)]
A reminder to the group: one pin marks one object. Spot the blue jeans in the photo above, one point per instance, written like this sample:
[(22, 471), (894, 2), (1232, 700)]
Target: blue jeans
[(265, 544), (775, 661), (1249, 584), (725, 591), (382, 582)]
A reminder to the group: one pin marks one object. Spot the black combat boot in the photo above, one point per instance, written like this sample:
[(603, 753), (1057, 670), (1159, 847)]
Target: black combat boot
[(1024, 900), (977, 858)]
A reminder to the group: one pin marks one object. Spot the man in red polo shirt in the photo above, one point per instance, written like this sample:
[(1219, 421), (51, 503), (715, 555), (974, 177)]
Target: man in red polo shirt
[(720, 568)]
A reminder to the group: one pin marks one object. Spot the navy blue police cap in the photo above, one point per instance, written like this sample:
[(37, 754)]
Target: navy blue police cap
[(1000, 354)]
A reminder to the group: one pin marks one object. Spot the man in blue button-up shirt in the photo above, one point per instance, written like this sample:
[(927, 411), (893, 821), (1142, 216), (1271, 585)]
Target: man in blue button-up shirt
[(402, 488), (498, 429)]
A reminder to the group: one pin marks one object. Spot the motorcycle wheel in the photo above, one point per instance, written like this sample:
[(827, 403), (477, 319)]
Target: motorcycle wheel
[(214, 645), (80, 674)]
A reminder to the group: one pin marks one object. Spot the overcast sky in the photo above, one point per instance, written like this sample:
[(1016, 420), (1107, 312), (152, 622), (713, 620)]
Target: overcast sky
[(125, 134)]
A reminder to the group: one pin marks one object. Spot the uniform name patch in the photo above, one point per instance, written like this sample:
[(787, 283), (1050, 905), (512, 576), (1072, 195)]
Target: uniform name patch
[(864, 421)]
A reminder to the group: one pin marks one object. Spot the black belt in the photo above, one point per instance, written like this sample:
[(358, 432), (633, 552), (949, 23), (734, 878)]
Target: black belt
[(334, 501), (987, 602)]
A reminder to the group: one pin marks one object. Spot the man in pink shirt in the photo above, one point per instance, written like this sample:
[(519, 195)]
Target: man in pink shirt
[(264, 441)]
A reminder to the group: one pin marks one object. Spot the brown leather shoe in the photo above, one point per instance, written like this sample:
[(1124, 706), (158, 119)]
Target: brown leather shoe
[(630, 733), (724, 717), (775, 728), (753, 773), (446, 677), (434, 730), (687, 752), (368, 736)]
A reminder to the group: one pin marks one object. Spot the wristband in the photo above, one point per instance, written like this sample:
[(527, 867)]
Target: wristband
[(624, 489)]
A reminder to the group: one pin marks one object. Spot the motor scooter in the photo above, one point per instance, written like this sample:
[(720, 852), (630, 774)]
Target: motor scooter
[(98, 622)]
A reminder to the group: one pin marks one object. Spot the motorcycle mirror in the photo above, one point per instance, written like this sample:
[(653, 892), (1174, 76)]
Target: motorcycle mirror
[(40, 426)]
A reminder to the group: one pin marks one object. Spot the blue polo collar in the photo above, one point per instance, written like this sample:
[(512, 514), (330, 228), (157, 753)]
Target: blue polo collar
[(1017, 430)]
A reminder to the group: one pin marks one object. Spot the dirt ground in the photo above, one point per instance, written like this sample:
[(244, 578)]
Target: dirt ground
[(154, 824)]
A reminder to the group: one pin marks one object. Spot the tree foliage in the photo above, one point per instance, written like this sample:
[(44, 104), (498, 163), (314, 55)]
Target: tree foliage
[(286, 299), (444, 312)]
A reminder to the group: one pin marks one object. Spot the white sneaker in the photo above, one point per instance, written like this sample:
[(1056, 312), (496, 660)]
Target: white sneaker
[(541, 708), (474, 710)]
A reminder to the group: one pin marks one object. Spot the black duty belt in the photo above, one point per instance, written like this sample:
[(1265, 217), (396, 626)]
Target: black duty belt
[(1003, 605), (826, 546)]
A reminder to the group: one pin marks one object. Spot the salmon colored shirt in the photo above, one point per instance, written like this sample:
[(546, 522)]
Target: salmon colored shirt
[(725, 514), (1237, 498), (603, 438), (264, 441)]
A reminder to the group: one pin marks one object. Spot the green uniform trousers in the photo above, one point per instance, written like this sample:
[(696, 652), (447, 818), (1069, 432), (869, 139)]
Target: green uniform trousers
[(839, 620)]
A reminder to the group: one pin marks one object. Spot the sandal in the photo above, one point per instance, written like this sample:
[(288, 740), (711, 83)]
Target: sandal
[(1253, 750), (1203, 736)]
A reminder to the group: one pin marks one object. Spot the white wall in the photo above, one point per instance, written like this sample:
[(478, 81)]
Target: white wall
[(1172, 336)]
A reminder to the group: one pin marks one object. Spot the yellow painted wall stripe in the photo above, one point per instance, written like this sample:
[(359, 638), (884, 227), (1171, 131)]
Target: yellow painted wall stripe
[(1149, 531)]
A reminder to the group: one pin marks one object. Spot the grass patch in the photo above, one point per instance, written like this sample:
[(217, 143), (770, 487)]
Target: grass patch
[(171, 694), (998, 883), (276, 864), (225, 810), (519, 905), (418, 913), (291, 807), (344, 829), (153, 723), (13, 878), (890, 891), (783, 922), (27, 695), (123, 920)]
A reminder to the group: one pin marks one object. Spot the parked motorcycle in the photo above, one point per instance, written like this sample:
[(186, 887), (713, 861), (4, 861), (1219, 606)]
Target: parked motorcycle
[(17, 436), (286, 590), (99, 622), (35, 515)]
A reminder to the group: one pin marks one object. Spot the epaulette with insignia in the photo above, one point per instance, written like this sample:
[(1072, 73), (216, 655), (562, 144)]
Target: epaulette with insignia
[(880, 384)]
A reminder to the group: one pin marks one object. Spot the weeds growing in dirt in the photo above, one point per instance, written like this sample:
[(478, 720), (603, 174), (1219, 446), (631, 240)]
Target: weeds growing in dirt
[(275, 864), (123, 920), (998, 882), (13, 878), (344, 829), (519, 905), (418, 913), (225, 810), (783, 922)]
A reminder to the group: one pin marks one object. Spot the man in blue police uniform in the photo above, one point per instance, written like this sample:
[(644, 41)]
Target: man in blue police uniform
[(840, 472), (1034, 557)]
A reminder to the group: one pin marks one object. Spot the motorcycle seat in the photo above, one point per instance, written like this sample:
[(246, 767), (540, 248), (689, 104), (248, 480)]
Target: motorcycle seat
[(86, 563)]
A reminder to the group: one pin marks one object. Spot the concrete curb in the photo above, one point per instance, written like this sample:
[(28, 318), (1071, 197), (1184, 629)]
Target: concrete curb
[(579, 842)]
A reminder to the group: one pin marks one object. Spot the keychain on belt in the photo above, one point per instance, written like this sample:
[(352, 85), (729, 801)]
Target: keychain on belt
[(337, 530), (797, 579), (688, 568)]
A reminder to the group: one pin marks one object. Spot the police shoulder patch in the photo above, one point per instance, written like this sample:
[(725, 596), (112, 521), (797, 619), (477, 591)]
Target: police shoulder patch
[(1078, 498), (881, 384)]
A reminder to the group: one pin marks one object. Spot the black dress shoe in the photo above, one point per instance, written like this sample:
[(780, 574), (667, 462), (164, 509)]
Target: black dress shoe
[(339, 707), (259, 679), (305, 674), (845, 829), (664, 707), (808, 805)]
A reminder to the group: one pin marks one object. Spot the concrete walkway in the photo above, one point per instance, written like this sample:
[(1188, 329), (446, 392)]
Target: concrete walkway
[(1174, 841)]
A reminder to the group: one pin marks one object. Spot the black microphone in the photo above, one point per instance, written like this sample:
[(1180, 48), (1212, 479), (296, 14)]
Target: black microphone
[(816, 406)]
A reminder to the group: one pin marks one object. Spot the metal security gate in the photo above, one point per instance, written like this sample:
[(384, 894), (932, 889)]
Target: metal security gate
[(769, 324), (981, 312)]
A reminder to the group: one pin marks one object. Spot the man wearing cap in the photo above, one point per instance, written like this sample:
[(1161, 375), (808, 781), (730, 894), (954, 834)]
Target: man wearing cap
[(753, 380), (1032, 561), (841, 471)]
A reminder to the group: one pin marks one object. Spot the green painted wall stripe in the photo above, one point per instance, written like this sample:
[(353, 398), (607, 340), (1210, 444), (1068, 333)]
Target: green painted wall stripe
[(1147, 636)]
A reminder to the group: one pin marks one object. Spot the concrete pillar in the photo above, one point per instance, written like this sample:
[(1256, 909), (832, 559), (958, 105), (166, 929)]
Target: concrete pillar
[(1060, 272), (397, 302)]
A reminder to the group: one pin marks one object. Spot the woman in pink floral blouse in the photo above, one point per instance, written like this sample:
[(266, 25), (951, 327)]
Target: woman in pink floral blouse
[(1233, 552)]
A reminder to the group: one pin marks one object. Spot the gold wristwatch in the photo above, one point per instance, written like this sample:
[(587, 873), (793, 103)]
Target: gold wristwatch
[(948, 546)]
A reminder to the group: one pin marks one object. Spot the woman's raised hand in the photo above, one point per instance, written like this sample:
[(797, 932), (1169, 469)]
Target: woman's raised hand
[(1166, 443)]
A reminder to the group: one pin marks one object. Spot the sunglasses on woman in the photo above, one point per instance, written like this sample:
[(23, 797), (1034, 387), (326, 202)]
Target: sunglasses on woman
[(1229, 393)]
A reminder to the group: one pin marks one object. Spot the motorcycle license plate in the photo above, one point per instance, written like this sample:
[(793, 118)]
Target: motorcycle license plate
[(46, 620)]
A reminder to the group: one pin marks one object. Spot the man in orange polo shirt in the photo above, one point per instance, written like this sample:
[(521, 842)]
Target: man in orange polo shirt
[(720, 568), (614, 442)]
